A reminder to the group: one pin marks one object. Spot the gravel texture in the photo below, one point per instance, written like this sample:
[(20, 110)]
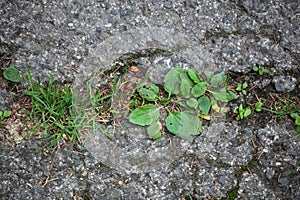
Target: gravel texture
[(74, 39)]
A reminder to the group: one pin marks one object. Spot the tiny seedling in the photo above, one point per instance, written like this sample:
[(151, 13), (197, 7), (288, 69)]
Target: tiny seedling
[(189, 99), (3, 115), (258, 106), (241, 112), (242, 88), (296, 117), (260, 70), (12, 74)]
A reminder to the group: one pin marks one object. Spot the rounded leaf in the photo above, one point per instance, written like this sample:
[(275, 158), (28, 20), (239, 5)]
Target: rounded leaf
[(144, 115), (192, 102), (172, 80), (12, 74), (204, 104), (183, 124), (154, 130), (199, 89)]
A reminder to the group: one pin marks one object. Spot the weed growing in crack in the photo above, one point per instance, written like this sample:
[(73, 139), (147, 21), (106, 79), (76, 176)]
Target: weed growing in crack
[(242, 88), (282, 107), (51, 109), (260, 70), (53, 112), (189, 99), (241, 112)]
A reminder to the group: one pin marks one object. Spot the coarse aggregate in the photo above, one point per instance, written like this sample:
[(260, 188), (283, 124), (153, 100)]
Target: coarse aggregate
[(73, 39)]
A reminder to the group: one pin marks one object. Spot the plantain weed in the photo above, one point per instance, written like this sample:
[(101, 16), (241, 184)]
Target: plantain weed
[(12, 74), (190, 98)]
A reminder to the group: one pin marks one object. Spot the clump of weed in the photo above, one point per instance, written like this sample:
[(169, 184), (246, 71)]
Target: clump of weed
[(190, 98)]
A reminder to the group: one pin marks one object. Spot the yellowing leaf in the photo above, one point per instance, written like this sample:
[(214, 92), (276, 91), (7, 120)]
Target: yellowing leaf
[(207, 117)]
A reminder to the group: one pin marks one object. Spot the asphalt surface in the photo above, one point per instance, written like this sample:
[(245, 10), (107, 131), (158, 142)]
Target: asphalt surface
[(75, 39)]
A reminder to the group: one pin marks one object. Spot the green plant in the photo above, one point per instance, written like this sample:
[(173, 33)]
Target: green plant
[(53, 111), (296, 117), (282, 107), (258, 106), (261, 70), (186, 98), (51, 108), (4, 114), (12, 74), (242, 88), (232, 194), (241, 112)]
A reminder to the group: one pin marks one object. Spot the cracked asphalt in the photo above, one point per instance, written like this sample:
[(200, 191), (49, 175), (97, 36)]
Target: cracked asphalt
[(253, 159)]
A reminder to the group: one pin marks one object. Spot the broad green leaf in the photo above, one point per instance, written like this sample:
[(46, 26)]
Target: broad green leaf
[(218, 80), (194, 75), (185, 87), (183, 124), (247, 112), (230, 96), (7, 113), (245, 85), (172, 80), (204, 104), (154, 130), (144, 115), (297, 120), (12, 74), (199, 89), (208, 74), (148, 91), (220, 95), (173, 122), (1, 113), (192, 102), (147, 94)]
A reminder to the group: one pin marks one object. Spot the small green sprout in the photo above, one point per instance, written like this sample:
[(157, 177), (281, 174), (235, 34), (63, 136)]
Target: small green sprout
[(261, 70), (242, 88), (258, 106), (296, 117), (241, 112), (4, 114)]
